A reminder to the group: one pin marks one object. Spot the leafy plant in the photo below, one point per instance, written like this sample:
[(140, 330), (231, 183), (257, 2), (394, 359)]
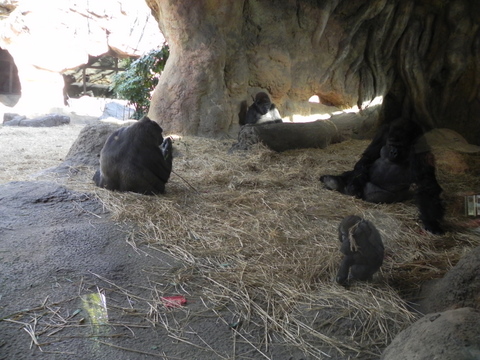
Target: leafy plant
[(137, 82)]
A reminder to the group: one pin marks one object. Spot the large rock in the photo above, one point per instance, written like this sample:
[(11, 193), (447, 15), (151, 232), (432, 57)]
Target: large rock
[(47, 37), (86, 149), (460, 287), (419, 57), (41, 121), (449, 335)]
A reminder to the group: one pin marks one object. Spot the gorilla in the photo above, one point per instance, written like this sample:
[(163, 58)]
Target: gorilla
[(136, 158), (363, 249), (397, 158), (261, 111)]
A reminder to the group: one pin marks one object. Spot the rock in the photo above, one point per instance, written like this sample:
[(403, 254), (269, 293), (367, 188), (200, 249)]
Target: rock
[(460, 287), (117, 110), (42, 121), (449, 139), (12, 117), (449, 335), (63, 34), (86, 149)]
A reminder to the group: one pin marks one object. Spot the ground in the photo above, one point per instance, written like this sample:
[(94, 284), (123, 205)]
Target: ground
[(249, 239), (61, 253)]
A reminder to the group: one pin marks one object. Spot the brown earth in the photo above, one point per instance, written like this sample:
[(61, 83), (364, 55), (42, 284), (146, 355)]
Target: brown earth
[(60, 253)]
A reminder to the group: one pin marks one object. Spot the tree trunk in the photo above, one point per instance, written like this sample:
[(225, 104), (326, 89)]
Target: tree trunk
[(421, 57)]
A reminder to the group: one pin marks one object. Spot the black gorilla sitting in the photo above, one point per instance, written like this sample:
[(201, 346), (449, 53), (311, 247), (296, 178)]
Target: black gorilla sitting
[(362, 247), (396, 158), (261, 111), (136, 158)]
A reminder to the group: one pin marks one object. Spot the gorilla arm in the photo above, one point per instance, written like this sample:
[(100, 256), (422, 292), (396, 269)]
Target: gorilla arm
[(344, 269), (427, 193)]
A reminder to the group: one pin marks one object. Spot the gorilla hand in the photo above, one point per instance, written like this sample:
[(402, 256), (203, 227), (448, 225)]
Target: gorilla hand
[(166, 148)]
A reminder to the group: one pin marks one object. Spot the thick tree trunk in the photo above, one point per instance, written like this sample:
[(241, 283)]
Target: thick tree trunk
[(421, 57)]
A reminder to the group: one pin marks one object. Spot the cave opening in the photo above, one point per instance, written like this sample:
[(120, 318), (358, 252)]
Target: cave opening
[(10, 87)]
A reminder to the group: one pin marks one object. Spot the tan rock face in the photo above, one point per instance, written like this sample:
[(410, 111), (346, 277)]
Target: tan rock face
[(46, 37), (420, 57), (451, 334)]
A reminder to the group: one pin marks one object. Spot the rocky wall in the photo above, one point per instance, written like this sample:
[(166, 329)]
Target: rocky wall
[(421, 57)]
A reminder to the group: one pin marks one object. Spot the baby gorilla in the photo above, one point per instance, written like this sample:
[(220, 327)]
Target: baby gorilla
[(362, 247), (136, 158), (262, 111)]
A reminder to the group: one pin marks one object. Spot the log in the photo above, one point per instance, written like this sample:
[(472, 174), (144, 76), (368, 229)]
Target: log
[(317, 134)]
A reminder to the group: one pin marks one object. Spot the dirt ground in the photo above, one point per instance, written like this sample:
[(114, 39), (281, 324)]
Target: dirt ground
[(64, 262), (80, 282), (58, 250)]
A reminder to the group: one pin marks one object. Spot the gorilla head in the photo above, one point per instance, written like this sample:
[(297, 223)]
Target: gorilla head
[(399, 140), (262, 102), (260, 112)]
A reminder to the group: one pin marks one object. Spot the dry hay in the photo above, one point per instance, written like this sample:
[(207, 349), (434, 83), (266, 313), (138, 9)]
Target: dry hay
[(257, 230), (257, 233)]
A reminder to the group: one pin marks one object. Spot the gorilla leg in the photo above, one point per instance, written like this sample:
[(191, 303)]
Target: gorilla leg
[(97, 178), (373, 193), (362, 272), (337, 182)]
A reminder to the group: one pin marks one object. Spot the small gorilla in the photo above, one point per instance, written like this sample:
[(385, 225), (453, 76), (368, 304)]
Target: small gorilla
[(362, 247), (261, 111), (397, 157), (136, 158)]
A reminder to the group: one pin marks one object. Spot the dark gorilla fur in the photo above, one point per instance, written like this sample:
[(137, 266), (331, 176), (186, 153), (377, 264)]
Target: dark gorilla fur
[(136, 158), (397, 157), (261, 111), (362, 246)]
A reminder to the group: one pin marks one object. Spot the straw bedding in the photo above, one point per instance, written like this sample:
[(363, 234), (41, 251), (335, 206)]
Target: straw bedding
[(258, 235)]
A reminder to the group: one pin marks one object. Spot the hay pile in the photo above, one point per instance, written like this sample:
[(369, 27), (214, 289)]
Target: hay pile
[(258, 235)]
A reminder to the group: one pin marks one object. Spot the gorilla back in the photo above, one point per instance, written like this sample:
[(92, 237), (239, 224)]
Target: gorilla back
[(136, 158), (362, 247)]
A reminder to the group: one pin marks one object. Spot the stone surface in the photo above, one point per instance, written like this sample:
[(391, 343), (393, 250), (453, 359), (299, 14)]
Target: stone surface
[(47, 37), (449, 335), (315, 134), (117, 110), (42, 121), (460, 287), (420, 57)]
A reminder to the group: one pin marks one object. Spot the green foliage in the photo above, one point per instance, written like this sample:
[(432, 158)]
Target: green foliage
[(139, 79)]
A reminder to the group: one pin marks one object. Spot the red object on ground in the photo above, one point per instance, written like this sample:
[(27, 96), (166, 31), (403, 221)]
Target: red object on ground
[(174, 301)]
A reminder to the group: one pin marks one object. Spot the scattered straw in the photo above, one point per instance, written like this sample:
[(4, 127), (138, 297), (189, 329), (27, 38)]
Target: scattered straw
[(262, 231), (258, 236)]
